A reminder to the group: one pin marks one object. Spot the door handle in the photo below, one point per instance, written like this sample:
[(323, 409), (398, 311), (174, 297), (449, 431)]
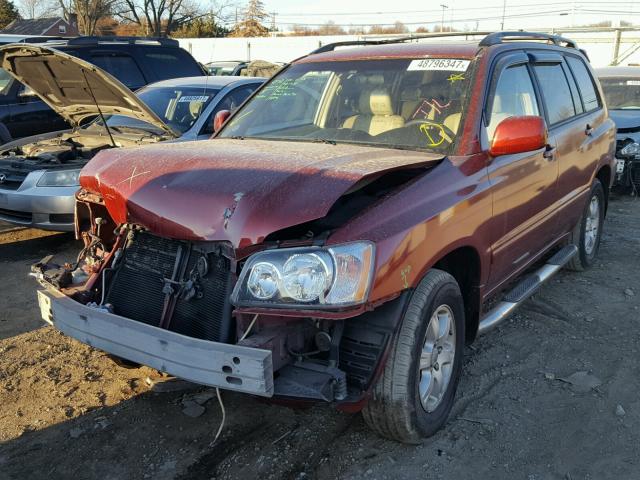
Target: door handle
[(549, 152), (589, 130)]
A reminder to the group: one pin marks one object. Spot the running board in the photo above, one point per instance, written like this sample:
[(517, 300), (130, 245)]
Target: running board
[(527, 287)]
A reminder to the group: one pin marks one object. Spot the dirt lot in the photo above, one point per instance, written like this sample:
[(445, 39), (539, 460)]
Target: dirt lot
[(68, 412)]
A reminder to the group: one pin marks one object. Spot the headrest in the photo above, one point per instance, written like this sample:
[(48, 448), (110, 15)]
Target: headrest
[(380, 102), (194, 108), (364, 102)]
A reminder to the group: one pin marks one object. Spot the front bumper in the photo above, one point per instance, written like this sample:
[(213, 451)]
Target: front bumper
[(232, 367), (48, 208)]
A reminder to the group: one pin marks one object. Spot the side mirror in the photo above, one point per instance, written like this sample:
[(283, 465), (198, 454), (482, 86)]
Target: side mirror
[(219, 119), (25, 92), (518, 135)]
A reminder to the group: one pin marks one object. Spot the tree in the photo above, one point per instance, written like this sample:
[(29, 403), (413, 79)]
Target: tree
[(8, 13), (38, 8), (89, 12), (398, 27), (204, 27), (159, 18), (252, 18)]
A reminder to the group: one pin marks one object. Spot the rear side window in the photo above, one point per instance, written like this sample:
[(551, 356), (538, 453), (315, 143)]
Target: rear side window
[(514, 96), (172, 63), (585, 83), (123, 67), (556, 92)]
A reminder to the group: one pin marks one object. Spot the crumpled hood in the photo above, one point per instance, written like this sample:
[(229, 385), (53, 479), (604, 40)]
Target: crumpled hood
[(625, 119), (72, 87), (233, 190)]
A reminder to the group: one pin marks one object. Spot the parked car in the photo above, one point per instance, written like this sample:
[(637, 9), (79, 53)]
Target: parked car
[(39, 174), (357, 221), (136, 62), (255, 68), (621, 86)]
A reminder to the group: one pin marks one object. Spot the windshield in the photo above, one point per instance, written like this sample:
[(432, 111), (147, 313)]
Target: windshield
[(178, 107), (408, 103), (621, 93)]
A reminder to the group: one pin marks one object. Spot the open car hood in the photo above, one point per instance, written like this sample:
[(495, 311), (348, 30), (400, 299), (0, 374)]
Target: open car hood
[(238, 191), (72, 87)]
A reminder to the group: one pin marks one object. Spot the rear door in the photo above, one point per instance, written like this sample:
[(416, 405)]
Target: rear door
[(524, 184), (587, 139)]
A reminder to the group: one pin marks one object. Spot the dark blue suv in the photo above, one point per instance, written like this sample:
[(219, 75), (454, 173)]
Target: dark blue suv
[(134, 61)]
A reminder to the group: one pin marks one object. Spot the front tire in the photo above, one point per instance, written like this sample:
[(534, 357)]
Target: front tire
[(415, 393), (588, 232)]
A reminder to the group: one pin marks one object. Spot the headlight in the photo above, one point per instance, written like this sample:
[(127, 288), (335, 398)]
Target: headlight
[(309, 277), (630, 149), (60, 178)]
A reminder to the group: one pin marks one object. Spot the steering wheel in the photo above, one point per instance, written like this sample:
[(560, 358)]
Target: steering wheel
[(436, 133)]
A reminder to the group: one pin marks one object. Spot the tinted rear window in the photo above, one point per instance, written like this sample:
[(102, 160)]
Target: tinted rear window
[(556, 92), (123, 67), (172, 63), (585, 83)]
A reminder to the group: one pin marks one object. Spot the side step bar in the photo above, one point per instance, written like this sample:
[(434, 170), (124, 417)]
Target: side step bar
[(525, 289)]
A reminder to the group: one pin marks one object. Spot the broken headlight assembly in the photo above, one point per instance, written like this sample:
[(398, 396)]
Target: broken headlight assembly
[(631, 149), (60, 178), (307, 277)]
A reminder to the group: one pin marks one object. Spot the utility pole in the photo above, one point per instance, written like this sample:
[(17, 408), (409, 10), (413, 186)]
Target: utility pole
[(504, 13), (442, 22), (273, 23)]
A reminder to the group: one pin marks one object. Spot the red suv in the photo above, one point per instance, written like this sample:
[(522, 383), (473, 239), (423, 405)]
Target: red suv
[(350, 227)]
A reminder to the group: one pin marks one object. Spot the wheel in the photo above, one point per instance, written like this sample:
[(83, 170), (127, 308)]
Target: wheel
[(588, 232), (414, 395)]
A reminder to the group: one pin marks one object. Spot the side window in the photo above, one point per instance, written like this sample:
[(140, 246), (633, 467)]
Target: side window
[(231, 102), (170, 63), (585, 83), (577, 101), (555, 91), (514, 96), (123, 67)]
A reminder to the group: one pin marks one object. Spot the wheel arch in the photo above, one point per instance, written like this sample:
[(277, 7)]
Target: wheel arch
[(604, 175), (464, 264)]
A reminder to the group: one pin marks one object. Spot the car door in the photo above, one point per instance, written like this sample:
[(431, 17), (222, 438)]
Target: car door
[(228, 101), (586, 140), (523, 185)]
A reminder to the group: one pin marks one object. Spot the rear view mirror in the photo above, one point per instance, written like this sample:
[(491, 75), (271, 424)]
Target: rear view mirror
[(219, 119), (518, 135)]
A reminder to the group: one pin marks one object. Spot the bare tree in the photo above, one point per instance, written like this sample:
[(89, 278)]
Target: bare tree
[(38, 8), (88, 11), (159, 18)]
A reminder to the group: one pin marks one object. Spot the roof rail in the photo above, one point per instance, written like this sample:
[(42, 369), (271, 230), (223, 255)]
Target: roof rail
[(499, 37), (94, 40), (329, 47), (490, 38)]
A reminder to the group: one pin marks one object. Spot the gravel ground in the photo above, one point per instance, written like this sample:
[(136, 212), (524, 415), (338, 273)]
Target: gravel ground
[(551, 394)]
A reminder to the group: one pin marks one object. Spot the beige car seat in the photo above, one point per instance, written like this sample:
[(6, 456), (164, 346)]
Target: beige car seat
[(376, 113)]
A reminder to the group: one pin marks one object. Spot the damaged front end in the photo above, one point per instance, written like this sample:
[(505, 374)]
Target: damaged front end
[(235, 303), (167, 304)]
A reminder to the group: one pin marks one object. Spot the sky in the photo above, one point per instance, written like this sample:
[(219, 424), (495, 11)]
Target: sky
[(461, 14)]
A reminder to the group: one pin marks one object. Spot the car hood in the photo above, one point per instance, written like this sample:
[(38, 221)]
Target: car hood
[(626, 119), (72, 87), (234, 190)]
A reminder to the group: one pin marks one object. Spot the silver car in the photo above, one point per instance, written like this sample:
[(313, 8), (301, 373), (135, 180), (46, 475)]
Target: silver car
[(39, 174)]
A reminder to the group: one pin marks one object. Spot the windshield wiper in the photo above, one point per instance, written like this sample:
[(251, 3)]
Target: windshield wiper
[(237, 137)]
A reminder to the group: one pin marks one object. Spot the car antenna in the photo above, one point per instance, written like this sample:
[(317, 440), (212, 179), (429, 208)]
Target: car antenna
[(104, 122)]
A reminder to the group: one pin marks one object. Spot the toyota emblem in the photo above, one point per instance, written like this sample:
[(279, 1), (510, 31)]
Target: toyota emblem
[(3, 177)]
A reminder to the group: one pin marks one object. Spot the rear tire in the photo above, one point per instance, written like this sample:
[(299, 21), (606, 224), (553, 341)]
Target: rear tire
[(415, 393), (588, 232)]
